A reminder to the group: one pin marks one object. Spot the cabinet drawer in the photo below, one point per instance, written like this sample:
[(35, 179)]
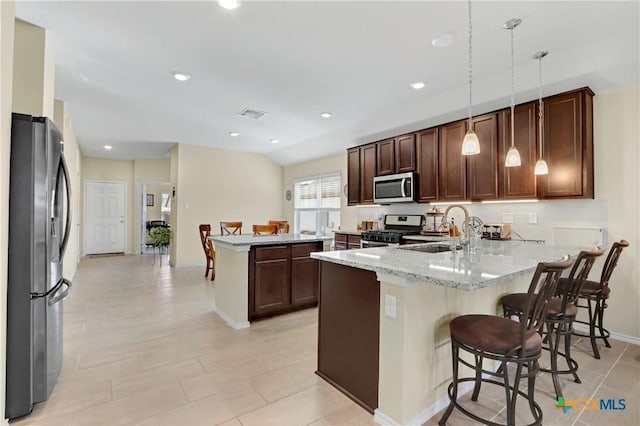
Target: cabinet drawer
[(271, 253), (354, 240), (340, 237), (303, 250)]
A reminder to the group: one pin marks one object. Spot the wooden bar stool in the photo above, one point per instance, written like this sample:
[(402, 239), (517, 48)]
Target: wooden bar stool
[(560, 315), (230, 228), (209, 251), (265, 229), (506, 341), (283, 226), (598, 293)]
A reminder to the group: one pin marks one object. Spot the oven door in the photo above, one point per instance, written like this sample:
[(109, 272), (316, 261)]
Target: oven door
[(394, 188)]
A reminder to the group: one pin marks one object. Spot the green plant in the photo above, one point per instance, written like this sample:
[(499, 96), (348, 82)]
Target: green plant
[(160, 236)]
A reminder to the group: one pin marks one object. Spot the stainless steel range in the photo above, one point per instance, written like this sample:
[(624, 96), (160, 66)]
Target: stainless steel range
[(395, 227)]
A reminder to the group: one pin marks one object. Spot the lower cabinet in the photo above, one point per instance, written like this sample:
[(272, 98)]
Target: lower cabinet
[(282, 278), (346, 241)]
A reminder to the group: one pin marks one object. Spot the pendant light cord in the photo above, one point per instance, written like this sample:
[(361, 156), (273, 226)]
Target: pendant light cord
[(513, 96), (540, 108), (470, 63)]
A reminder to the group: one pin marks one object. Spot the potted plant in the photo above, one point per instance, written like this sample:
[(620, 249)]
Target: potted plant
[(160, 236)]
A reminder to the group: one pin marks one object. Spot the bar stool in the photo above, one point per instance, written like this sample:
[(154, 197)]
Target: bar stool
[(264, 229), (560, 315), (598, 293), (506, 341), (231, 228), (209, 250)]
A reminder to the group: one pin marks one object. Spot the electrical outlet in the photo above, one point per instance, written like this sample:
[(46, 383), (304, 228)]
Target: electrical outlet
[(507, 217), (390, 306), (533, 218)]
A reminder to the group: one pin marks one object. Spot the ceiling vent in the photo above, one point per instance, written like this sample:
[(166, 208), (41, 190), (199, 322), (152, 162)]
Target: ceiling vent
[(252, 113)]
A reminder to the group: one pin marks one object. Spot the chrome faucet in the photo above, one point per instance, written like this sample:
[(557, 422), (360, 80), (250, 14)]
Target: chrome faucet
[(465, 226)]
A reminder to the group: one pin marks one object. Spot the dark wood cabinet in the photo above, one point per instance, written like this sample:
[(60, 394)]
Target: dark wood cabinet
[(386, 157), (282, 278), (452, 173), (368, 166), (346, 241), (482, 169), (353, 176), (427, 165), (405, 153), (518, 182), (568, 145)]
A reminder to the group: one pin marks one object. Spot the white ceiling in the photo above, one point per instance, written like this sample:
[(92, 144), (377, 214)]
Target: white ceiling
[(295, 60)]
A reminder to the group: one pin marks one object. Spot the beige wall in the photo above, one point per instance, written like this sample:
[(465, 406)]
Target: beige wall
[(155, 212), (7, 13), (34, 71), (216, 185), (616, 133), (73, 158), (321, 166)]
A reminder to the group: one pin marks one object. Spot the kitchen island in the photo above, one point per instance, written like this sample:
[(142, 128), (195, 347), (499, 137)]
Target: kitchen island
[(383, 336), (259, 276)]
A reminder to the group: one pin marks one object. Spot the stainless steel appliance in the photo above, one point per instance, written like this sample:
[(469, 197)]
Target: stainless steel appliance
[(496, 231), (39, 224), (394, 188), (395, 227)]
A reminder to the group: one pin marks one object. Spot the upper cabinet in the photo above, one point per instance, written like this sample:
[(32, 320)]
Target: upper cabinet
[(427, 162), (367, 172), (353, 176), (396, 155), (518, 182), (568, 145), (482, 169), (452, 164)]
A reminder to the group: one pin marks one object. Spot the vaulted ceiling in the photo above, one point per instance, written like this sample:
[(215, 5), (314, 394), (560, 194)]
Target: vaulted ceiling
[(297, 59)]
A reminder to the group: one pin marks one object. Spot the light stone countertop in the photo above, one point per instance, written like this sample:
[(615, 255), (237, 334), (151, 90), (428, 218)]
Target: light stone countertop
[(492, 262), (245, 241), (348, 232)]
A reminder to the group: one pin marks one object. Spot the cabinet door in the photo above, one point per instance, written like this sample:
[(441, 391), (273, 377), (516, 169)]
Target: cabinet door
[(453, 166), (353, 176), (354, 242), (427, 161), (304, 279), (386, 157), (518, 182), (483, 168), (367, 172), (568, 146), (405, 153), (270, 291)]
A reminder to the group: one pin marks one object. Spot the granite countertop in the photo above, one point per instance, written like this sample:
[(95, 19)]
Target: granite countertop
[(492, 262), (424, 238), (248, 240), (348, 232)]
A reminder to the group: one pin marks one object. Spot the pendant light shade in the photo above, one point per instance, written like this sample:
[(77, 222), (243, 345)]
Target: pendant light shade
[(470, 143), (541, 167), (513, 155)]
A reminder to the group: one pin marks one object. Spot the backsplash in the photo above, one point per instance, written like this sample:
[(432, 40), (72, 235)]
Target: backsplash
[(548, 214)]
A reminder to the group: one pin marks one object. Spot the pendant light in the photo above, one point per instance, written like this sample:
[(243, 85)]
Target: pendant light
[(470, 143), (541, 167), (513, 155)]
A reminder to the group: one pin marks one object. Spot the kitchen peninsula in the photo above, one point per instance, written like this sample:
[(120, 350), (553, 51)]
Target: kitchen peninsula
[(383, 336), (259, 276)]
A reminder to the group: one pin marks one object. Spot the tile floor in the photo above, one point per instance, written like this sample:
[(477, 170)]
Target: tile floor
[(142, 347)]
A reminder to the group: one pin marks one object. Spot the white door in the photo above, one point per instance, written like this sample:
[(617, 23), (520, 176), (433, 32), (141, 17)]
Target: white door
[(104, 217)]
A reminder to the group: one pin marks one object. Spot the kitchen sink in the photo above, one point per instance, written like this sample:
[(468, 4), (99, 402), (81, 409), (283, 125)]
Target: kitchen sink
[(431, 248)]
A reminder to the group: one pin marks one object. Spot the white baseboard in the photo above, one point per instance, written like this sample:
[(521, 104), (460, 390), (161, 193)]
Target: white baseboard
[(233, 324), (584, 328)]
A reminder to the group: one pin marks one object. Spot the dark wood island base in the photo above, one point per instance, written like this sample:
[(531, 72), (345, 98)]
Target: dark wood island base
[(348, 332)]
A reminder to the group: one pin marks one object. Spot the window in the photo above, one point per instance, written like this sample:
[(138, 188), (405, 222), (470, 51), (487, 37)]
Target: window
[(317, 205)]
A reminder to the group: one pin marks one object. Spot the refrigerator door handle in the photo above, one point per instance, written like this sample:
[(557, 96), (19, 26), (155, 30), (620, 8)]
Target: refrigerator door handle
[(48, 292), (67, 186), (63, 294)]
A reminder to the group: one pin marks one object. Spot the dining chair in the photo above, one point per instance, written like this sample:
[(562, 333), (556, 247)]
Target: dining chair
[(265, 229), (209, 251), (230, 228), (283, 226)]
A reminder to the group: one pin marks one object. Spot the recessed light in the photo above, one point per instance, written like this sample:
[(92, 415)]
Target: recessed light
[(108, 147), (274, 141), (444, 40), (418, 85), (229, 4), (180, 76), (326, 115), (234, 134)]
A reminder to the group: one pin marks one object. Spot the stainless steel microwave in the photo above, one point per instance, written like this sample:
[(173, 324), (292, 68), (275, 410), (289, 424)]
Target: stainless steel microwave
[(394, 188)]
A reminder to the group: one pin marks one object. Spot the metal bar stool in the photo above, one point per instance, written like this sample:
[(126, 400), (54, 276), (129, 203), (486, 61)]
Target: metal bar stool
[(560, 316), (598, 293), (506, 341)]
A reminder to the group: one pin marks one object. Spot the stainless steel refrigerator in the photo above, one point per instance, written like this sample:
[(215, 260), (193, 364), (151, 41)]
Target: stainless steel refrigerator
[(39, 225)]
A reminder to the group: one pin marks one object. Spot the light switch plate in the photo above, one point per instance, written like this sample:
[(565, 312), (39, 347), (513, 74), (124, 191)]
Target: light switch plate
[(390, 306), (533, 218), (507, 217)]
